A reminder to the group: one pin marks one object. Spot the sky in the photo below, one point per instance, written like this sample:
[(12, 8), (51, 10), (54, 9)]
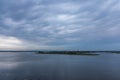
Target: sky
[(59, 24)]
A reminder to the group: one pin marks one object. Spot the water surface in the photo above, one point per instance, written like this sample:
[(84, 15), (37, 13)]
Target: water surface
[(30, 66)]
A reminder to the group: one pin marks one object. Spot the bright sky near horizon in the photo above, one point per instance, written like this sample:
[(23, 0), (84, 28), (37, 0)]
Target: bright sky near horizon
[(59, 24)]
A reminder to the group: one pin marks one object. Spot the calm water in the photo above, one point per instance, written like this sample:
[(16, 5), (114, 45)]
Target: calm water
[(30, 66)]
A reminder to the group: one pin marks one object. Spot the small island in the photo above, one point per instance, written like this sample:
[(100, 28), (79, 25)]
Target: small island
[(116, 52), (92, 53), (69, 52)]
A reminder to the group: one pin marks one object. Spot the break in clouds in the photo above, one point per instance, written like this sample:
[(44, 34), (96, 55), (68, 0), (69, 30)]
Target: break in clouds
[(59, 24)]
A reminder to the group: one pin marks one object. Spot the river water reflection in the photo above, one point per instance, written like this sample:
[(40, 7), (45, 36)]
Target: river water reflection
[(30, 66)]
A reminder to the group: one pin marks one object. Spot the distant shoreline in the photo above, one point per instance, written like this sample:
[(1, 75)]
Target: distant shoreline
[(75, 52), (69, 52)]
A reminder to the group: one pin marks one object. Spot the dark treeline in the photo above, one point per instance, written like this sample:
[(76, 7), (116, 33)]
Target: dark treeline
[(68, 52), (77, 52)]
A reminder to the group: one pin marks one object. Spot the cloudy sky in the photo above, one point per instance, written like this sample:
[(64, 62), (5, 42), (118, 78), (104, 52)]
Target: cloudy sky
[(59, 24)]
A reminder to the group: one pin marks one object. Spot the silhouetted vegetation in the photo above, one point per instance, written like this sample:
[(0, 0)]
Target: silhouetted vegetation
[(116, 52), (77, 52), (68, 52)]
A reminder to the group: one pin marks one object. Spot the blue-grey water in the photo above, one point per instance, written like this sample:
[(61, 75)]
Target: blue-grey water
[(30, 66)]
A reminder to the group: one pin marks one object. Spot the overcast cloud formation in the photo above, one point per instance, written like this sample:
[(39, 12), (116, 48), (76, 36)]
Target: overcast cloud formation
[(59, 24)]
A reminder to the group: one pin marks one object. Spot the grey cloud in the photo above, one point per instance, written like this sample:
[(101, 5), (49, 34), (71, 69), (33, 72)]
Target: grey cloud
[(60, 24)]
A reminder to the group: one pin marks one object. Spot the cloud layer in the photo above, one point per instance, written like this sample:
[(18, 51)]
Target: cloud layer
[(57, 25)]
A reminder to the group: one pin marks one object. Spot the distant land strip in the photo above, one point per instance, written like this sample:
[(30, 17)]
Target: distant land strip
[(67, 52), (76, 52)]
